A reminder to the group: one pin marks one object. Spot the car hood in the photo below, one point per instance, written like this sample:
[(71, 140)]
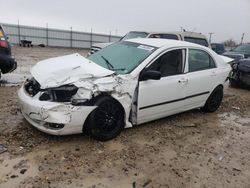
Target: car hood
[(67, 69), (102, 45), (236, 55)]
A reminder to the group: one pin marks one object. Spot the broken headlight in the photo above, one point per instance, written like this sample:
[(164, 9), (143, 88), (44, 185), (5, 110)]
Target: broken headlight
[(59, 94), (32, 87)]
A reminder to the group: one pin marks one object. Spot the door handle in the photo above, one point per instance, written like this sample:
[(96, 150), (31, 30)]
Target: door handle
[(183, 80)]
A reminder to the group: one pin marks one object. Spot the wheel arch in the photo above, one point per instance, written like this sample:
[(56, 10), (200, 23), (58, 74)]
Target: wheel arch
[(92, 102)]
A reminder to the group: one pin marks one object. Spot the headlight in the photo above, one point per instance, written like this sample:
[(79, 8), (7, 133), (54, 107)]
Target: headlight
[(60, 94), (32, 87)]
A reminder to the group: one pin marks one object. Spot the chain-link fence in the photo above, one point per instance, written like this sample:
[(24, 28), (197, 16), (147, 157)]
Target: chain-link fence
[(54, 37)]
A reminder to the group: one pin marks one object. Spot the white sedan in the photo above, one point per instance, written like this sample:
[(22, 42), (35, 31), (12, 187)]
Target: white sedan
[(125, 84)]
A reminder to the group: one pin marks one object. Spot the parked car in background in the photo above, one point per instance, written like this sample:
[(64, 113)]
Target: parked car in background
[(240, 52), (240, 74), (193, 37), (125, 84), (7, 62), (219, 48)]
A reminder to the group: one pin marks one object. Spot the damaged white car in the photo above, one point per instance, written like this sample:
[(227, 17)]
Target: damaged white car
[(123, 85)]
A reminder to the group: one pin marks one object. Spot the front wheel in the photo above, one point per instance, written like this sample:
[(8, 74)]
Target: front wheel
[(107, 120), (214, 100)]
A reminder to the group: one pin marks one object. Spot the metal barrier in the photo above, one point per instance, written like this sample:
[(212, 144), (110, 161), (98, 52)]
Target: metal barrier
[(54, 37)]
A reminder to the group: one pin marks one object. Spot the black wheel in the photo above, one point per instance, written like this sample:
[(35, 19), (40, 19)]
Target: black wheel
[(214, 100), (107, 120)]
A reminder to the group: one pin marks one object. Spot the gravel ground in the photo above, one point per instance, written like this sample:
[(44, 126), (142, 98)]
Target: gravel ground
[(192, 149)]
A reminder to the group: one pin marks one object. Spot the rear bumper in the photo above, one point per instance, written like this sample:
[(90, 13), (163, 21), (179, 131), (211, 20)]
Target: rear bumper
[(7, 64)]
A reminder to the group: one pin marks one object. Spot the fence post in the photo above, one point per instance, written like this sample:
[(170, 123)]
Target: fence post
[(70, 37), (18, 30), (47, 34), (91, 39), (109, 36)]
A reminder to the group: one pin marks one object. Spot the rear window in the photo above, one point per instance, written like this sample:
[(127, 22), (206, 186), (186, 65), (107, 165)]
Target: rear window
[(217, 46), (199, 41), (164, 36), (133, 35)]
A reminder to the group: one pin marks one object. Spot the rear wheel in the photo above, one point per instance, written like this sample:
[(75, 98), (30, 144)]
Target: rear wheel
[(107, 120), (214, 100)]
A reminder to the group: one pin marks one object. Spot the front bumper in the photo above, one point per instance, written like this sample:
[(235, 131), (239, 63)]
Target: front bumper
[(41, 113), (7, 64)]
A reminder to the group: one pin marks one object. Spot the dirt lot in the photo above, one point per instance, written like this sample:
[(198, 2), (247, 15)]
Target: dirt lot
[(192, 149)]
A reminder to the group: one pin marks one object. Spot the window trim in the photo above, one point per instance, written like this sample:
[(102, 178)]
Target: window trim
[(187, 61)]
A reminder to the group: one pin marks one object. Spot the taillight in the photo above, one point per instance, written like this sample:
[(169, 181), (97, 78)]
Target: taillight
[(3, 44)]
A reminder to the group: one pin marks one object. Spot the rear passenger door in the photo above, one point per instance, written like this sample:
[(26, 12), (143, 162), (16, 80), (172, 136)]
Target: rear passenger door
[(201, 76)]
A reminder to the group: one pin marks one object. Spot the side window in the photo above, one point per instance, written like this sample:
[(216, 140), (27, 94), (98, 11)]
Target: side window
[(170, 63), (199, 60)]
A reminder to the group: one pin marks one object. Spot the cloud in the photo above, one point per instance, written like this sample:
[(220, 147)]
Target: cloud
[(226, 18)]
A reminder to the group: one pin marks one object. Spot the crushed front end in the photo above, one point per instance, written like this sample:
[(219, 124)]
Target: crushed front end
[(51, 110)]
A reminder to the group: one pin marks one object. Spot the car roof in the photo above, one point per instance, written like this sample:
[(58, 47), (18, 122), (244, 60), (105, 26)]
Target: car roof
[(182, 33), (168, 43)]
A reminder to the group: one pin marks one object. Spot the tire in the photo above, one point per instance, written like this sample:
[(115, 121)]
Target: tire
[(214, 100), (107, 120)]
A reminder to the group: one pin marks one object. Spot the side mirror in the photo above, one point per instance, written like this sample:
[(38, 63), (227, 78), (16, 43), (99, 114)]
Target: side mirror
[(150, 75)]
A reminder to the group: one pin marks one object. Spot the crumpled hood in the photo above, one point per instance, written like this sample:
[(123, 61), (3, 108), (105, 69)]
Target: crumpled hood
[(67, 69)]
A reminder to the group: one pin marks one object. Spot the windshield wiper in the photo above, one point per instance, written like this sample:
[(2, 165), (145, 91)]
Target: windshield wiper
[(109, 65)]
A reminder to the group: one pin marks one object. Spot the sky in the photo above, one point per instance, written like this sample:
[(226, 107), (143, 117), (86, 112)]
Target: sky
[(225, 18)]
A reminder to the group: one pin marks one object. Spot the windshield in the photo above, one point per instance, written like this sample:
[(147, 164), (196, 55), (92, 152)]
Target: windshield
[(132, 35), (122, 57), (243, 49)]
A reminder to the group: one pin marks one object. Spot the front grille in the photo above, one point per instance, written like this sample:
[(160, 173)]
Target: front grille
[(32, 87)]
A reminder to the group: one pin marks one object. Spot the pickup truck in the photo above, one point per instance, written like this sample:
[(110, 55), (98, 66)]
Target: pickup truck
[(192, 37)]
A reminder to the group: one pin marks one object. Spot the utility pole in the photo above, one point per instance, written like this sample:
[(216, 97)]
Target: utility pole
[(109, 36), (242, 38), (210, 37)]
